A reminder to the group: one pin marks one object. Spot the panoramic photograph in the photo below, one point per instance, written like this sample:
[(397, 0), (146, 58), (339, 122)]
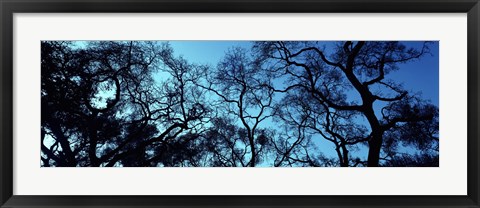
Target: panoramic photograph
[(239, 104)]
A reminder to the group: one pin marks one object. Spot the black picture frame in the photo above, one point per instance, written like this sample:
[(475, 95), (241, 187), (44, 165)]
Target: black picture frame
[(9, 7)]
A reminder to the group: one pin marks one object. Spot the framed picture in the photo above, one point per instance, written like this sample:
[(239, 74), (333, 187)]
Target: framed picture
[(239, 104)]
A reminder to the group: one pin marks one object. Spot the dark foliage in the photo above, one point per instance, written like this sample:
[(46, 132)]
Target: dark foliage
[(133, 103)]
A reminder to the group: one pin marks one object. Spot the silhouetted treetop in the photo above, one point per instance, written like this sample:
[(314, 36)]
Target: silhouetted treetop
[(276, 104)]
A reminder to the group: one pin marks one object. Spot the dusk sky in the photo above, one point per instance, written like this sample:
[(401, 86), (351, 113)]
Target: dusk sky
[(419, 76)]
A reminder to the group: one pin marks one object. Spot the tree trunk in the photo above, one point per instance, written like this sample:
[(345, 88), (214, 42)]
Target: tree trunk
[(375, 145), (252, 147), (345, 156)]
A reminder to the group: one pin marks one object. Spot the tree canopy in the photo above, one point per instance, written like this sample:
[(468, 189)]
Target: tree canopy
[(276, 104)]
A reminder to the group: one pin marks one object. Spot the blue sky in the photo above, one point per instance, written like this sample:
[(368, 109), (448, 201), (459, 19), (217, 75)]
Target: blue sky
[(205, 52), (417, 76)]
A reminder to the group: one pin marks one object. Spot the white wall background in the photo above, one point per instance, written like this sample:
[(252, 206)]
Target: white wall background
[(448, 179)]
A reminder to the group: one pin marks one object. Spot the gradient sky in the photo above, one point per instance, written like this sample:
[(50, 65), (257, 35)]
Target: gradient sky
[(417, 76)]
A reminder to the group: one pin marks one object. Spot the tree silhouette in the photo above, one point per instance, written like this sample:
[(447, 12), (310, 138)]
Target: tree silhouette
[(89, 127), (352, 68), (239, 85), (135, 104)]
